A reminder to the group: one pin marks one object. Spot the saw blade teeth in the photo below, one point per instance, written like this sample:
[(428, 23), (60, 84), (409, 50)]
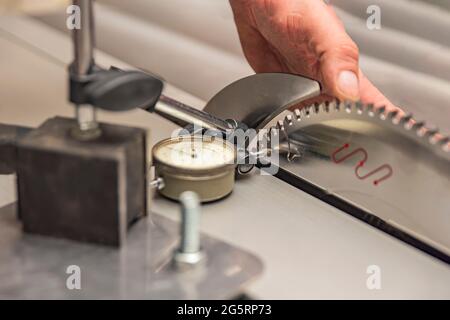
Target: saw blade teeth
[(419, 128), (431, 133), (280, 125), (406, 121), (316, 108), (273, 132), (371, 110), (381, 112), (338, 106), (288, 120), (349, 107), (297, 114), (445, 143), (334, 108), (359, 107), (332, 105), (433, 136), (392, 115), (326, 106), (307, 111)]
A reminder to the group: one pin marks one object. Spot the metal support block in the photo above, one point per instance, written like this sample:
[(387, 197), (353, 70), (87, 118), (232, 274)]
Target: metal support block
[(8, 152), (89, 191)]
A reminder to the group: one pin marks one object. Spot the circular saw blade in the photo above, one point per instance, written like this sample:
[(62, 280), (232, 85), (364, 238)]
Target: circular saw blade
[(392, 167)]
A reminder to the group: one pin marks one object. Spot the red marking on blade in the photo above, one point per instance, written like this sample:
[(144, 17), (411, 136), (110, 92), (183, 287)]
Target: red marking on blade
[(383, 168), (349, 155)]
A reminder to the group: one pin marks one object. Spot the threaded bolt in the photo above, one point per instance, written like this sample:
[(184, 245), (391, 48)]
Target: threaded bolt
[(189, 252), (190, 222)]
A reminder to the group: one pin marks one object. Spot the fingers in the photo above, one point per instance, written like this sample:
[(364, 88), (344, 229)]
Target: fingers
[(256, 49), (313, 42), (304, 37), (337, 53), (339, 72)]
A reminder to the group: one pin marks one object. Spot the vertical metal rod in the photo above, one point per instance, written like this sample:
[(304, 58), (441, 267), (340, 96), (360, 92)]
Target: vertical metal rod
[(84, 44), (190, 222), (86, 116)]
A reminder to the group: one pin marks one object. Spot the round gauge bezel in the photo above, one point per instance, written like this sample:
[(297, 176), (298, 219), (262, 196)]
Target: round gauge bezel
[(165, 165)]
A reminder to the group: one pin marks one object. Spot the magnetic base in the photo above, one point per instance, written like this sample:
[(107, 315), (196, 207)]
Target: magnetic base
[(89, 191), (9, 135)]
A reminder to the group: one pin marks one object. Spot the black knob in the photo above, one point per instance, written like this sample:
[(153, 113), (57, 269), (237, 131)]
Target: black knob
[(117, 90)]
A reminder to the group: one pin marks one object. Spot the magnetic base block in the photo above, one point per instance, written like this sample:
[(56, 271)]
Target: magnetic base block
[(8, 151), (89, 191)]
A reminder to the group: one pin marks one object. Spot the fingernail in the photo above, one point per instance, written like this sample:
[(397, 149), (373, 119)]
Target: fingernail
[(348, 84)]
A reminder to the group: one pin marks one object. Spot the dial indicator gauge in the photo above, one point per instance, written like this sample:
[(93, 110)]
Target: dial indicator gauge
[(192, 153), (205, 165)]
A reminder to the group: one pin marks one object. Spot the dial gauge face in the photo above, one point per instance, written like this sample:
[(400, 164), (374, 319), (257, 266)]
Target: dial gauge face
[(195, 153)]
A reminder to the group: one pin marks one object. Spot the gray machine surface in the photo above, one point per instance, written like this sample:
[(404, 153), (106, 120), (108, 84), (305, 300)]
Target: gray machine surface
[(309, 248), (35, 267)]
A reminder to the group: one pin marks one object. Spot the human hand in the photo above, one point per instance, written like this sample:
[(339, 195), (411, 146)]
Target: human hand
[(304, 37)]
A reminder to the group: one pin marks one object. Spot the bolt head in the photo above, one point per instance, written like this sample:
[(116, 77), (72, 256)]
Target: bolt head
[(185, 261)]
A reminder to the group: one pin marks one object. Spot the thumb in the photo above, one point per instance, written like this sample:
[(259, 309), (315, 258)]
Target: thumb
[(338, 57), (340, 71)]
